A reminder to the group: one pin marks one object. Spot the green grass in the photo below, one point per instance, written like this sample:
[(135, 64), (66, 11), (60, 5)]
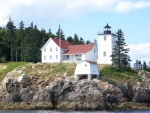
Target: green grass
[(111, 73), (7, 67), (45, 71)]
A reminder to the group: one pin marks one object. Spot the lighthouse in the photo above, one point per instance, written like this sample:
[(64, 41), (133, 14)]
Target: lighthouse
[(106, 42)]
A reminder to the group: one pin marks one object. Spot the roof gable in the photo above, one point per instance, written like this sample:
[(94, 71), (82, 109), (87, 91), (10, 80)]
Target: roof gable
[(45, 44), (63, 43), (79, 49)]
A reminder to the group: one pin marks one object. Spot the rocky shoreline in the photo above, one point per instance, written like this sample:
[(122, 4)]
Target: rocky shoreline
[(63, 92), (126, 106)]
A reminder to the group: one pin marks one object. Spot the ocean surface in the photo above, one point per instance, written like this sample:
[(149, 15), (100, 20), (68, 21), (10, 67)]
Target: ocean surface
[(52, 111)]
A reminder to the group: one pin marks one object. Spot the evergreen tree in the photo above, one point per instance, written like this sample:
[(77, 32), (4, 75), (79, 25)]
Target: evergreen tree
[(81, 41), (119, 55), (60, 33), (88, 42), (3, 45), (31, 25), (76, 39), (45, 36), (70, 39), (11, 36), (144, 65), (95, 42), (20, 34)]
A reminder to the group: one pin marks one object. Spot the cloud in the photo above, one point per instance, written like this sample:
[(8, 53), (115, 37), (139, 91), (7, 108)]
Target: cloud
[(126, 6), (56, 10), (11, 7), (139, 52)]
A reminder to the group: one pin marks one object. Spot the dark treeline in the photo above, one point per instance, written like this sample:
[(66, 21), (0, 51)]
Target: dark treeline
[(24, 44)]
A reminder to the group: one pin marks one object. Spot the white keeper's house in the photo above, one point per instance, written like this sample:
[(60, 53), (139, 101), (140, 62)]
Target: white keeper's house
[(57, 50)]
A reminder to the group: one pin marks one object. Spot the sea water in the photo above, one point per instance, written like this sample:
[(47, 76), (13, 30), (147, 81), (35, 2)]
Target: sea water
[(53, 111)]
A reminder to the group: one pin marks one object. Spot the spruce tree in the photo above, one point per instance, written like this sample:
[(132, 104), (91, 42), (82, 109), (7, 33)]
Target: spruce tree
[(3, 45), (11, 36), (20, 34), (88, 42), (120, 52), (81, 40), (70, 39), (144, 65), (76, 39)]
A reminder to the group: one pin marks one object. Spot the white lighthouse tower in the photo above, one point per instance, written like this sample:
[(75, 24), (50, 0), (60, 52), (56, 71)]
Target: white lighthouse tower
[(105, 45)]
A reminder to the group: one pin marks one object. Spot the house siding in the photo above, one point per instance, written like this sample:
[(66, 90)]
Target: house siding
[(105, 46), (53, 53), (91, 55)]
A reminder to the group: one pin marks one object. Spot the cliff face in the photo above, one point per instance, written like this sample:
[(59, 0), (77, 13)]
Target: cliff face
[(64, 92)]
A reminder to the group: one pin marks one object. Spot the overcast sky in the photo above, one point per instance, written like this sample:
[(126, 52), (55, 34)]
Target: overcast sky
[(86, 18)]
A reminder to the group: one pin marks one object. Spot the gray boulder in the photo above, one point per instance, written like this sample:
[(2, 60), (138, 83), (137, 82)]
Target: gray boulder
[(26, 94), (15, 97), (127, 90), (72, 94), (142, 96)]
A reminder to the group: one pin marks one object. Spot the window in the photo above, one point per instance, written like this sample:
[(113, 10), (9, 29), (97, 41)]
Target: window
[(67, 56), (44, 57), (50, 49), (104, 54), (56, 48), (104, 38), (94, 50), (56, 56), (44, 49), (50, 57)]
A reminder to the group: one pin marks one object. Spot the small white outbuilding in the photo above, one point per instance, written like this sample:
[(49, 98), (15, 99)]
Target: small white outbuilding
[(87, 68)]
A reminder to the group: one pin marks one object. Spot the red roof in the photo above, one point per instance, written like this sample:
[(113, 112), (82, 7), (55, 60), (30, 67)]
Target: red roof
[(91, 62), (64, 43), (78, 49)]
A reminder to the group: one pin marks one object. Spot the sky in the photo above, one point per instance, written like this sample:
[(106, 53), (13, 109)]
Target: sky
[(86, 18)]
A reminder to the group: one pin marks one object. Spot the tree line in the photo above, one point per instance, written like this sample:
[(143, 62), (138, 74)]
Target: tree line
[(24, 43)]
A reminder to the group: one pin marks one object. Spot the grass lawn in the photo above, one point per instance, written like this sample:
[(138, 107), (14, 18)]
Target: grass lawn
[(46, 71), (110, 73)]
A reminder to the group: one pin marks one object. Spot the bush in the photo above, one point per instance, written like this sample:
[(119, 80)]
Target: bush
[(112, 73)]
